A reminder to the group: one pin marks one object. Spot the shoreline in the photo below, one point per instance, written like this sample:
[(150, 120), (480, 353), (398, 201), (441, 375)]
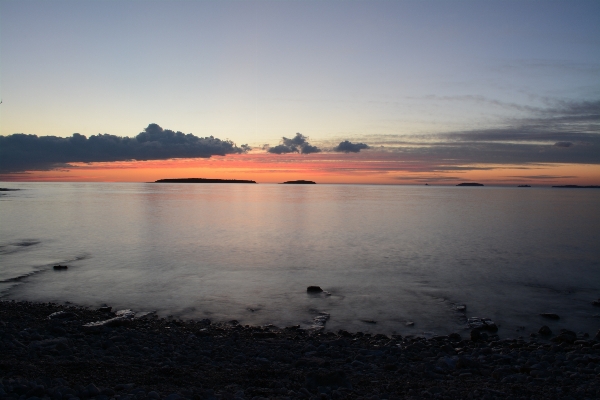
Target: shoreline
[(61, 352)]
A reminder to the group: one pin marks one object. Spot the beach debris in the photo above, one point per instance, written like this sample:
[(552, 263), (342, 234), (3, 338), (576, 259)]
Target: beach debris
[(550, 315), (60, 267), (314, 289), (66, 315), (545, 331), (123, 317)]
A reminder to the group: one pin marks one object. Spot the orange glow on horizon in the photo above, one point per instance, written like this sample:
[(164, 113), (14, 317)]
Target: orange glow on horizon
[(360, 168)]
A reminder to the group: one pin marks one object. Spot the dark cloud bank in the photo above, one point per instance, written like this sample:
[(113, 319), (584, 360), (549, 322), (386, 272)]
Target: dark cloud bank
[(568, 133), (21, 152)]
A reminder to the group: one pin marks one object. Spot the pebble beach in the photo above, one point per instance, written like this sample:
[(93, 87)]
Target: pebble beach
[(66, 352)]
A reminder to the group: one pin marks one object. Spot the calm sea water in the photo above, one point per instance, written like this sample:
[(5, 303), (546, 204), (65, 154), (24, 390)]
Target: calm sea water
[(389, 254)]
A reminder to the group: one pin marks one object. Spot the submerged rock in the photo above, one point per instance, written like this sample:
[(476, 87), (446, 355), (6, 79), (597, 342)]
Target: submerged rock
[(550, 315)]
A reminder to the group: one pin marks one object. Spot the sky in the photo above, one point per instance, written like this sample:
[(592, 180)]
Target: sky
[(438, 92)]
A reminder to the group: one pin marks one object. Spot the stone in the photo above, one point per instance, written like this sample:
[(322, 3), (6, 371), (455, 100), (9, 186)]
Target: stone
[(92, 390), (322, 377), (314, 289), (545, 331), (455, 337), (596, 303), (60, 267)]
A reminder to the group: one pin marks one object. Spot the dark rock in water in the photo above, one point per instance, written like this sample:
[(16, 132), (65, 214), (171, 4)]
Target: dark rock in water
[(470, 184), (565, 336), (461, 308), (369, 321), (596, 303), (476, 335), (410, 323), (550, 315), (105, 309), (523, 186), (314, 289), (597, 337), (60, 267), (324, 378), (545, 331), (490, 326)]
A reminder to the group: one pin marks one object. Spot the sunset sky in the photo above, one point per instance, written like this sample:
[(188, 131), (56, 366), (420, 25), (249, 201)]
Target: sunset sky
[(441, 92)]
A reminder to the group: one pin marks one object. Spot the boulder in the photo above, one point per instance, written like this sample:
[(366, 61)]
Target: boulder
[(60, 267), (314, 289)]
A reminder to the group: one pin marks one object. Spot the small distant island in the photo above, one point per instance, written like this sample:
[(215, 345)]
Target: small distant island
[(7, 190), (577, 187), (299, 182), (470, 184), (202, 180), (523, 186)]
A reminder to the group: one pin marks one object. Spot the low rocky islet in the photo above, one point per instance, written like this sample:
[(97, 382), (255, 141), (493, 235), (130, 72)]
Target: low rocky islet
[(60, 352)]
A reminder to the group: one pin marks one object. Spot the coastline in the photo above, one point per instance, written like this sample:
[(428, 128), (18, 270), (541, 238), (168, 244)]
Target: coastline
[(49, 352)]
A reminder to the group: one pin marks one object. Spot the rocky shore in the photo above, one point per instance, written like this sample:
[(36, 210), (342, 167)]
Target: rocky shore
[(62, 352)]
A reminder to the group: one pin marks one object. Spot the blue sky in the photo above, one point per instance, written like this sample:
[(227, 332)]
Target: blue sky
[(254, 71)]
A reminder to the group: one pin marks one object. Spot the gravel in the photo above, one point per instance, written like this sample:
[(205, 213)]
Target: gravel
[(70, 355)]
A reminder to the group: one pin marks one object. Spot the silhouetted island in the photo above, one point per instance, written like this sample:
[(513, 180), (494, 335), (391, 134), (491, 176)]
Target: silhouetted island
[(577, 187), (523, 186), (470, 184), (300, 182), (202, 180), (7, 190)]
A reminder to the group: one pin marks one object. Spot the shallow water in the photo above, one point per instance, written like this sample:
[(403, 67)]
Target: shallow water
[(390, 254)]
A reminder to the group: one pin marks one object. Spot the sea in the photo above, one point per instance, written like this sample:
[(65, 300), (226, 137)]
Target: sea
[(390, 259)]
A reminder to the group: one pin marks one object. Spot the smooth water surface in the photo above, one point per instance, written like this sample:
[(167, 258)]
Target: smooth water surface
[(389, 254)]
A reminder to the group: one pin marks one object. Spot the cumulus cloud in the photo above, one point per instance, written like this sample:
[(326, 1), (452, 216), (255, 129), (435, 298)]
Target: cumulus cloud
[(348, 147), (297, 144), (21, 152)]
